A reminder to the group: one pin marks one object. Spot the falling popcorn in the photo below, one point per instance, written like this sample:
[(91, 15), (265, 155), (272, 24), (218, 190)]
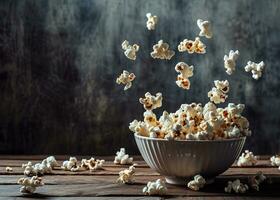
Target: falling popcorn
[(255, 68), (185, 71), (230, 61), (161, 51), (126, 78), (151, 21), (70, 165), (126, 175), (236, 186), (192, 46), (197, 183), (92, 164), (218, 93), (151, 102), (130, 50), (205, 28), (123, 158), (155, 188), (29, 185), (247, 159)]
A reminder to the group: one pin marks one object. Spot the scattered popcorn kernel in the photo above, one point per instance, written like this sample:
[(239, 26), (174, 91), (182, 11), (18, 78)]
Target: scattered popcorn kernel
[(218, 93), (151, 102), (126, 78), (92, 164), (9, 169), (192, 46), (70, 165), (123, 158), (255, 68), (151, 21), (42, 168), (29, 185), (230, 61), (155, 188), (161, 51), (130, 50), (247, 159), (185, 71), (126, 175), (205, 28), (256, 180), (236, 186), (197, 183), (275, 161)]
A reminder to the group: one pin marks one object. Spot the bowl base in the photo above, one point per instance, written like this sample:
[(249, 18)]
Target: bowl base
[(183, 181)]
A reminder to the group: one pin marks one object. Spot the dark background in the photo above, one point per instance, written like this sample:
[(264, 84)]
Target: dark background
[(59, 61)]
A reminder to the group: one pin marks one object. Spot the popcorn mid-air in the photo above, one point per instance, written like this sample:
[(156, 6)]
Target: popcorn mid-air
[(185, 71), (205, 28), (151, 21), (218, 94), (42, 168), (275, 161), (130, 50), (247, 159), (255, 68), (126, 175), (155, 188), (230, 61), (92, 164), (9, 169), (191, 47), (70, 165), (29, 185), (151, 102), (236, 186), (123, 158), (255, 181), (197, 183), (126, 78), (161, 51)]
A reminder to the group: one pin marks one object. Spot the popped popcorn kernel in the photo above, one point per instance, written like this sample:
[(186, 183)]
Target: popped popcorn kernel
[(236, 186), (123, 158), (126, 175), (205, 28), (161, 51), (185, 71), (197, 183), (42, 168), (255, 68), (29, 185), (130, 50), (218, 93), (9, 169), (256, 180), (92, 164), (275, 161), (247, 159), (151, 21), (151, 102), (191, 47), (230, 61), (126, 78), (70, 165), (157, 187)]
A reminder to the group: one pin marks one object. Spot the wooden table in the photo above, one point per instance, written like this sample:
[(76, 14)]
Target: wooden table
[(102, 184)]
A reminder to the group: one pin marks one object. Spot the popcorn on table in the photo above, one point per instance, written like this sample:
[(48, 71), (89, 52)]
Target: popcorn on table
[(191, 47), (126, 78), (161, 51), (130, 50), (256, 180), (126, 175), (275, 161), (236, 186), (151, 102), (70, 165), (218, 94), (230, 61), (45, 166), (155, 188), (255, 68), (9, 169), (185, 71), (29, 185), (123, 158), (205, 28), (92, 164), (247, 159), (197, 183), (151, 21)]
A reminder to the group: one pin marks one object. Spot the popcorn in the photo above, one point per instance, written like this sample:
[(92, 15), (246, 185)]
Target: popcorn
[(218, 93), (42, 168), (256, 180), (151, 102), (275, 161), (236, 186), (247, 159), (126, 175), (70, 165), (122, 158), (155, 188), (255, 68), (29, 185), (197, 183), (151, 22), (161, 51), (92, 164), (185, 71), (130, 50), (139, 128), (9, 169), (205, 28), (126, 78), (230, 61), (191, 47)]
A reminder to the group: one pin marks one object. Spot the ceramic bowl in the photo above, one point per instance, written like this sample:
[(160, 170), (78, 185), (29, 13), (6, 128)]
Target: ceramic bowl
[(180, 160)]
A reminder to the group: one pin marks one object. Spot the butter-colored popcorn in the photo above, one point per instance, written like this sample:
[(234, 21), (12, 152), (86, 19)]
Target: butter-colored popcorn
[(123, 158), (70, 165), (255, 68), (29, 185), (139, 128), (157, 187), (130, 50), (185, 71), (161, 51), (42, 168), (126, 175), (236, 186), (205, 28), (151, 21), (197, 183), (256, 180), (92, 164), (191, 47), (275, 161), (218, 93), (126, 78), (9, 169), (230, 61), (151, 102), (247, 159)]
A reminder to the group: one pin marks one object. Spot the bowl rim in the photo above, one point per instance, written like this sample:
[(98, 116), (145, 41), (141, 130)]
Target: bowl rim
[(190, 141)]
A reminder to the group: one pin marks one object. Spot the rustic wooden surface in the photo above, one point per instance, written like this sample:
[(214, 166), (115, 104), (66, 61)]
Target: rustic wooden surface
[(102, 184)]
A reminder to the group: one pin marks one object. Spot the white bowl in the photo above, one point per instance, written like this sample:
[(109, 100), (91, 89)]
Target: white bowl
[(180, 160)]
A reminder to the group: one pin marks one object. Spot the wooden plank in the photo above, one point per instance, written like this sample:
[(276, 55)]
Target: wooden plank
[(80, 198)]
